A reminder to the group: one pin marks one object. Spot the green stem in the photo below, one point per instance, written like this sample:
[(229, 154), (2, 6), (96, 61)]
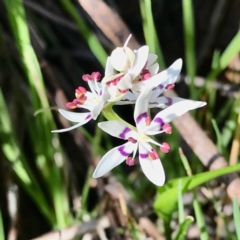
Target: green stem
[(109, 114)]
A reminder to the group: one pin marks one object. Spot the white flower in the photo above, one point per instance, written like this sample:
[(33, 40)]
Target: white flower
[(158, 82), (139, 140), (93, 101), (129, 64)]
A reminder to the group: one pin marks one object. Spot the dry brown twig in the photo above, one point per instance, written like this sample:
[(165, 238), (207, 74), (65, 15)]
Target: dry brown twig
[(115, 30), (77, 230)]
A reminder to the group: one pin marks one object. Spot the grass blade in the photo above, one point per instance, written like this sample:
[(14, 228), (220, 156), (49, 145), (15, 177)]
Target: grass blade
[(182, 230), (236, 216), (86, 33), (149, 30), (189, 40), (180, 203)]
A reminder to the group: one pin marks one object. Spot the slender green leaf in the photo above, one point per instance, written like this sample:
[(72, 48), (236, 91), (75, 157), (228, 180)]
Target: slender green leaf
[(219, 137), (86, 32), (236, 216), (166, 200), (229, 53), (200, 218), (183, 228), (149, 30), (2, 236), (189, 39), (180, 202), (40, 128)]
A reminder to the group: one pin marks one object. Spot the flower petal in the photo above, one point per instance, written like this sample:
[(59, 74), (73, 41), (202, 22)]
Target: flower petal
[(154, 69), (70, 128), (129, 98), (169, 114), (140, 61), (125, 82), (97, 109), (151, 59), (163, 102), (118, 129), (81, 118), (152, 169), (162, 79), (113, 158), (141, 108), (109, 68), (75, 117)]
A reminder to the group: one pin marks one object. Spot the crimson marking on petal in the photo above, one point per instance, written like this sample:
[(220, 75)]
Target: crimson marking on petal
[(141, 116), (169, 101), (159, 120), (124, 132), (121, 150), (88, 116), (143, 155)]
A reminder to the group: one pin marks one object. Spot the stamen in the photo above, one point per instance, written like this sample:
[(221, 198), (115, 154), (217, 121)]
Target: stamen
[(71, 105), (153, 155), (96, 76), (167, 128), (81, 100), (170, 86), (147, 120), (165, 147), (130, 161), (86, 77), (132, 140), (80, 91), (145, 74)]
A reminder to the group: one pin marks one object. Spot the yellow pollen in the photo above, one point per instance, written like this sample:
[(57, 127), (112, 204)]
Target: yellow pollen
[(96, 100), (142, 137)]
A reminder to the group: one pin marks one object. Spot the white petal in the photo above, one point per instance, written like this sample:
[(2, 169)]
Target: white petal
[(70, 128), (151, 59), (162, 79), (105, 93), (117, 95), (125, 82), (141, 110), (81, 118), (169, 114), (140, 61), (111, 77), (97, 109), (129, 98), (163, 102), (75, 117), (152, 169), (154, 69), (118, 129), (113, 158), (109, 68)]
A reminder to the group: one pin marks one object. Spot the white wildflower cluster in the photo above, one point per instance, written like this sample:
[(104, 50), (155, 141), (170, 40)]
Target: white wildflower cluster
[(131, 77)]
